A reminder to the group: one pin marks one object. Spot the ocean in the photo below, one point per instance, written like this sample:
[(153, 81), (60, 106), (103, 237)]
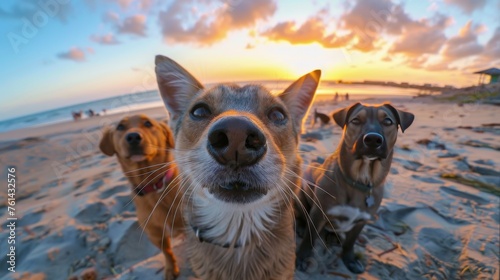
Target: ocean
[(151, 99)]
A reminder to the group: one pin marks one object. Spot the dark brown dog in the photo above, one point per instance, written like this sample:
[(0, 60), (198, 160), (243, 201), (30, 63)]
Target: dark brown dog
[(353, 178), (324, 118), (143, 148)]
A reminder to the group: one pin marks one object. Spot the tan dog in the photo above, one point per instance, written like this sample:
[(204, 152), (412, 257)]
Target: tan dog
[(236, 148), (348, 187), (143, 148)]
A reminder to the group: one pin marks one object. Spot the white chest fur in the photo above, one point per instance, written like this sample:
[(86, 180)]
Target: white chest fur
[(228, 223), (345, 217)]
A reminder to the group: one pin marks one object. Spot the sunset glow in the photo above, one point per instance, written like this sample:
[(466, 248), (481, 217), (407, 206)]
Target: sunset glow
[(56, 53)]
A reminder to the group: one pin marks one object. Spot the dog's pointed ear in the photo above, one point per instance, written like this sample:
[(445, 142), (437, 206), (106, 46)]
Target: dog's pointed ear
[(106, 145), (404, 119), (342, 115), (177, 86), (300, 94), (168, 135)]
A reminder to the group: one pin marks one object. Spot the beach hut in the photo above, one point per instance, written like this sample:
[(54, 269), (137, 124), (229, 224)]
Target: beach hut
[(494, 73)]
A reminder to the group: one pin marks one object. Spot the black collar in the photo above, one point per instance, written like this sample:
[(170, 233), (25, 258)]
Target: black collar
[(355, 184), (199, 234)]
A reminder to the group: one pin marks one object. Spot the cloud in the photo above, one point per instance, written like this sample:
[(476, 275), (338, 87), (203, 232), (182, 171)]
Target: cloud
[(492, 47), (124, 4), (422, 37), (135, 24), (111, 17), (108, 39), (309, 32), (75, 54), (181, 23), (464, 44), (335, 41), (468, 6), (145, 5), (363, 26)]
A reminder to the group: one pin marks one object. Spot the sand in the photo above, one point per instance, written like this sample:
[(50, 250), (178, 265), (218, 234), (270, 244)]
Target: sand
[(439, 218)]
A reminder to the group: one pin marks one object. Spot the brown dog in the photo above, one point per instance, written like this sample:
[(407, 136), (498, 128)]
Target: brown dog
[(236, 148), (352, 178), (324, 118), (143, 148)]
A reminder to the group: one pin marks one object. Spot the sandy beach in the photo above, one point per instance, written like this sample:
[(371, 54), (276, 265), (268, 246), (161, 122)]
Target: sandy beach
[(439, 219)]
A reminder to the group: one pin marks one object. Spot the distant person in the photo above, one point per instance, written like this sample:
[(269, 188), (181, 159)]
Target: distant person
[(346, 96), (336, 99), (104, 111), (76, 115), (90, 113)]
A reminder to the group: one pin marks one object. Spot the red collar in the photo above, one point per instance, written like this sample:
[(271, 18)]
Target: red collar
[(159, 185)]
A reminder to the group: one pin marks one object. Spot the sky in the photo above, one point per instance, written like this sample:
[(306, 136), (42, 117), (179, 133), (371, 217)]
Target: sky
[(55, 53)]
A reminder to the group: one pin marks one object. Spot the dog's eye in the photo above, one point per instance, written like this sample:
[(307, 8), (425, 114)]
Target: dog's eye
[(355, 121), (148, 124), (200, 111), (387, 122), (277, 115), (120, 127)]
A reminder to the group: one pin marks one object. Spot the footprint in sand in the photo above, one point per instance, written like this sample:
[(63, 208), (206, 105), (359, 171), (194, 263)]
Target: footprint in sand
[(412, 165), (95, 185), (32, 217), (429, 180), (123, 204), (129, 243), (93, 213), (306, 148), (469, 196), (114, 190), (441, 244)]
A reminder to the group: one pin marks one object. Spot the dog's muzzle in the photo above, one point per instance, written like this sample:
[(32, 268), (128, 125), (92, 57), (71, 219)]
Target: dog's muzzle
[(371, 145), (373, 140), (236, 143)]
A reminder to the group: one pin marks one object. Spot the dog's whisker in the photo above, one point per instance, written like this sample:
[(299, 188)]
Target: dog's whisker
[(315, 200), (309, 184), (164, 193), (179, 205), (323, 213), (146, 167)]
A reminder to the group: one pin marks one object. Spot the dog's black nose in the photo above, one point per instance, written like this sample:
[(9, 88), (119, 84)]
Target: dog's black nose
[(373, 140), (133, 138), (236, 141)]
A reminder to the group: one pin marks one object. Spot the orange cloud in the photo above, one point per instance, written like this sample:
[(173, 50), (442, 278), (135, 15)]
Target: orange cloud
[(133, 25), (468, 6), (463, 45), (75, 54), (309, 32), (213, 25), (108, 39)]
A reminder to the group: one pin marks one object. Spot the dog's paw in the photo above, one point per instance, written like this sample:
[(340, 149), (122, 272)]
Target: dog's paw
[(305, 262), (172, 273), (353, 264), (300, 231), (332, 239)]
